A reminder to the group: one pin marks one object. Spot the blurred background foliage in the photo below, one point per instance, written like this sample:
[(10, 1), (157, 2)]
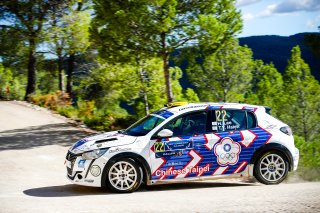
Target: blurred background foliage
[(107, 63)]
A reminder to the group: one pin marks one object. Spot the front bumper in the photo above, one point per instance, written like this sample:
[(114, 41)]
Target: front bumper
[(84, 172), (295, 157)]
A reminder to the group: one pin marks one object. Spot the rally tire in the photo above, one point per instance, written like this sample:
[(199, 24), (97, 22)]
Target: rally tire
[(123, 176), (271, 168)]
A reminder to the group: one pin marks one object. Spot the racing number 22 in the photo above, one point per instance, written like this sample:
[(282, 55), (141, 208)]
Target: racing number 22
[(159, 147), (221, 115)]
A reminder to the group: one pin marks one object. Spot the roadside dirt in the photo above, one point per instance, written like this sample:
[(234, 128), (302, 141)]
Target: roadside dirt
[(33, 144)]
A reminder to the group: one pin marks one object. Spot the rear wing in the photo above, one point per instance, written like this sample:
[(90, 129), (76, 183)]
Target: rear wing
[(268, 109)]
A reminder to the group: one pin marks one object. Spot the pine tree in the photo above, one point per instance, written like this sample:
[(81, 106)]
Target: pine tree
[(267, 87), (27, 19), (302, 95), (157, 28), (224, 76)]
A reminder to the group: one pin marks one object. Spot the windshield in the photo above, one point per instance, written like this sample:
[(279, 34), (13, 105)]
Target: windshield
[(144, 126)]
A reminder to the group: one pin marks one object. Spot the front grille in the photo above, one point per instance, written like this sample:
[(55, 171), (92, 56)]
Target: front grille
[(71, 156), (69, 170)]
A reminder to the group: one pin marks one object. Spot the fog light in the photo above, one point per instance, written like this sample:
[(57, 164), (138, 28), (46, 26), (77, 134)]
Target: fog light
[(95, 170)]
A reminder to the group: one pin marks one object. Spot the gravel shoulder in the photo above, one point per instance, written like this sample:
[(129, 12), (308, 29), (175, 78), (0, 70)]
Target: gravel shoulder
[(33, 144)]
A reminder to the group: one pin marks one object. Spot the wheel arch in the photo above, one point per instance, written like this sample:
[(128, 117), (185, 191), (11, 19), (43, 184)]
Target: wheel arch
[(136, 157), (273, 146)]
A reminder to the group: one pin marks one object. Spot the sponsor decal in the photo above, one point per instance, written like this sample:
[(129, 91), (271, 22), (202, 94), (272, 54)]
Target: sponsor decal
[(271, 126), (119, 150), (227, 152), (193, 107), (175, 163), (169, 153), (186, 170), (183, 144), (171, 148), (89, 181)]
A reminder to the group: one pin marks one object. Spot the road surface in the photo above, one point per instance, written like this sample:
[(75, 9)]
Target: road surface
[(33, 144)]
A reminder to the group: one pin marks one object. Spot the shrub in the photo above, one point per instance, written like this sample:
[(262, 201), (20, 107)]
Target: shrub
[(52, 100), (68, 111), (309, 164), (86, 109)]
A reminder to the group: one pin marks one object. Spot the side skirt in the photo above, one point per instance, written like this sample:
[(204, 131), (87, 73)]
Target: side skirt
[(247, 172)]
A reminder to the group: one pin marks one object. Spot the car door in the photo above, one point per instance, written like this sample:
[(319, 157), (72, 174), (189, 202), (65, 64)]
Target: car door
[(236, 131), (179, 156)]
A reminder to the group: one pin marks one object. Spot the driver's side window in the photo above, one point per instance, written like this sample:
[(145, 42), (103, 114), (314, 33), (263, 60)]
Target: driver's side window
[(188, 124)]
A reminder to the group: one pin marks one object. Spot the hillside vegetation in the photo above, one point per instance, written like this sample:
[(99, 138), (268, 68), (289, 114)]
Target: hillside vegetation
[(276, 49)]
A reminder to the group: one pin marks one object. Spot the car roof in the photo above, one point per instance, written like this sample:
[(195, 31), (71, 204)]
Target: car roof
[(182, 107)]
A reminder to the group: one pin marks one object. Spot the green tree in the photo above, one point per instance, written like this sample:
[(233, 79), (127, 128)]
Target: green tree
[(77, 32), (111, 84), (223, 76), (302, 90), (11, 87), (159, 27), (27, 18), (267, 86), (55, 38), (12, 48), (181, 94)]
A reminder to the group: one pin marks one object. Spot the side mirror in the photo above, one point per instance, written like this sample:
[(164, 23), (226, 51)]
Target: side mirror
[(165, 133)]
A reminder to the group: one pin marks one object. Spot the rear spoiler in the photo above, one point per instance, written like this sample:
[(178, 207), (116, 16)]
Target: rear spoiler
[(268, 109)]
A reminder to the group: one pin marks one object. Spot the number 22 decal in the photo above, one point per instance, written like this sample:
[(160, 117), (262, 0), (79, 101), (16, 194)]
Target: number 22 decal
[(221, 115), (159, 147)]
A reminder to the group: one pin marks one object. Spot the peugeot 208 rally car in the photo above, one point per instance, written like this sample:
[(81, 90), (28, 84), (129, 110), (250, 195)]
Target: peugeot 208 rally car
[(187, 142)]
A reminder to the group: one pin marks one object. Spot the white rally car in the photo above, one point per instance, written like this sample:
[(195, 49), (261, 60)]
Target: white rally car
[(183, 142)]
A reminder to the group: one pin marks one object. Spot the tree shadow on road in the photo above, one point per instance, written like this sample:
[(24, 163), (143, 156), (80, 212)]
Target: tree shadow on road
[(72, 190), (52, 134)]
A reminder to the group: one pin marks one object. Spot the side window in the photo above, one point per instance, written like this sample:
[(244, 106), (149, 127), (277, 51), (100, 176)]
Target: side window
[(189, 124), (252, 123), (229, 120)]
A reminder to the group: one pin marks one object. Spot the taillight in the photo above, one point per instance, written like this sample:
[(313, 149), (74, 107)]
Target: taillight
[(286, 130)]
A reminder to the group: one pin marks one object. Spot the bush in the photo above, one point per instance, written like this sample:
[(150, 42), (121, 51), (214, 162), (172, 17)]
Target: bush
[(86, 109), (11, 87), (103, 121), (52, 100), (309, 164), (68, 111)]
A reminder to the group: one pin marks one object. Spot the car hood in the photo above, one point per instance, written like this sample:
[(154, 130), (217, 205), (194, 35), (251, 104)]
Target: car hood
[(104, 140)]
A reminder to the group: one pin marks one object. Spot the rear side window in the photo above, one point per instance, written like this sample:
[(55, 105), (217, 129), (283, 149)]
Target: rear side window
[(252, 122), (225, 120)]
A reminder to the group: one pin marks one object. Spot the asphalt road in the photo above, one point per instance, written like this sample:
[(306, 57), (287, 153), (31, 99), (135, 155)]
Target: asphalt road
[(33, 144)]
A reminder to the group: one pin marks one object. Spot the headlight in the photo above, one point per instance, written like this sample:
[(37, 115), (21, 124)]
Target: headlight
[(94, 154)]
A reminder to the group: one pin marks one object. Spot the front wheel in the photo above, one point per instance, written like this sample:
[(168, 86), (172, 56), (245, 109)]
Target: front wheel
[(124, 176), (271, 168)]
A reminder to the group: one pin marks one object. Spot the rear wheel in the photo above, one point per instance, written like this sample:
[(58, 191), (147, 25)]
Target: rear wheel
[(124, 176), (271, 168)]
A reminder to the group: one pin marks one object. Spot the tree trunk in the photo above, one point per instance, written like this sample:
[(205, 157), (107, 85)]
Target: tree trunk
[(32, 75), (61, 73), (165, 58), (71, 62), (70, 72), (144, 92)]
